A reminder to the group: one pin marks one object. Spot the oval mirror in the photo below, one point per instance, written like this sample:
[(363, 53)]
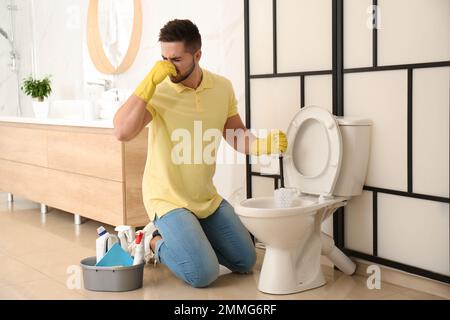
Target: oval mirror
[(114, 34)]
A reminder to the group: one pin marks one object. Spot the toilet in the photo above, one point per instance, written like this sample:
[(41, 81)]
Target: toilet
[(326, 162)]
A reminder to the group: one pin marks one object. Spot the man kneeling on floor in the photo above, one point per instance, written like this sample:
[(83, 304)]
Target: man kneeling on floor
[(192, 229)]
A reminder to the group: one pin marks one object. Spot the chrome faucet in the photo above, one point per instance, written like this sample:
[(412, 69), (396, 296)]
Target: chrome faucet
[(5, 35), (107, 85), (13, 54)]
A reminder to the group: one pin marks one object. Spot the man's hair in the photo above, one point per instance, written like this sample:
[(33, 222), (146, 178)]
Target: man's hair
[(184, 31)]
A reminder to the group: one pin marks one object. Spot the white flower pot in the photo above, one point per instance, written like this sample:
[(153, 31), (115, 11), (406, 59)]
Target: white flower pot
[(40, 109)]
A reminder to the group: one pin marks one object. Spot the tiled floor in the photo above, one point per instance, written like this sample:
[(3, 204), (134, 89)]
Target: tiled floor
[(36, 250)]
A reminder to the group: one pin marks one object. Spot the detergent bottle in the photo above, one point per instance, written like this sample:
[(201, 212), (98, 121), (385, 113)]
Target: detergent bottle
[(138, 249), (126, 236), (104, 242)]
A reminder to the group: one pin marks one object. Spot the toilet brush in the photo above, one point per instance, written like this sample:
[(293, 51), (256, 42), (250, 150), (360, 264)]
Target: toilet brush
[(281, 171), (283, 197)]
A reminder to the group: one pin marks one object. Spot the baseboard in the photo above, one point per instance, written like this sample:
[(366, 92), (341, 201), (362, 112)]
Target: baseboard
[(405, 279)]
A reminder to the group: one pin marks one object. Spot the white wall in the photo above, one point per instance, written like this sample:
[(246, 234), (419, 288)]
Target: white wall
[(410, 231), (60, 29)]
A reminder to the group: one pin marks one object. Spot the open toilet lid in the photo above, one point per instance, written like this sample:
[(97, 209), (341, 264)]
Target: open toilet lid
[(313, 158)]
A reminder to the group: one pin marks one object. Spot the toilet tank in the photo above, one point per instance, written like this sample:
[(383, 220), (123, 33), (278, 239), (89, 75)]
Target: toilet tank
[(356, 141)]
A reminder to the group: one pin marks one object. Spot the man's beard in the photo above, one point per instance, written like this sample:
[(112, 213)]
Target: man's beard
[(186, 75)]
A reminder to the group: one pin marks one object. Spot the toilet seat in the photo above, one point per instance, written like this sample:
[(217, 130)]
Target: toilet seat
[(313, 159)]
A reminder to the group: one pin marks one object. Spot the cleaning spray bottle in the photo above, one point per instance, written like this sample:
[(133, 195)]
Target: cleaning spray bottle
[(104, 242), (126, 236), (138, 249)]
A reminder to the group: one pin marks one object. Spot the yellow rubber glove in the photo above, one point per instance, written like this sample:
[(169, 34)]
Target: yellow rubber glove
[(160, 71), (275, 142)]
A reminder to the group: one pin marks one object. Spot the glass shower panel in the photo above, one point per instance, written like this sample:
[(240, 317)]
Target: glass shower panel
[(16, 44)]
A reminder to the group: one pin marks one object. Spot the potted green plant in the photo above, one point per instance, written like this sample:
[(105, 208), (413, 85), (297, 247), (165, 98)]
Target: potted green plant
[(38, 90)]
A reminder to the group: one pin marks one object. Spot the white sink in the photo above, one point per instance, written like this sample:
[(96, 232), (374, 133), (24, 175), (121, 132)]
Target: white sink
[(72, 110), (111, 101), (102, 107)]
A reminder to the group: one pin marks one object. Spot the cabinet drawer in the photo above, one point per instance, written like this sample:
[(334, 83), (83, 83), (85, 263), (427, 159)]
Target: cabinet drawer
[(23, 145), (91, 197), (97, 155)]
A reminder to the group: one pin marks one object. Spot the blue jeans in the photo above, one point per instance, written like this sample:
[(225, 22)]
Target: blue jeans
[(193, 248)]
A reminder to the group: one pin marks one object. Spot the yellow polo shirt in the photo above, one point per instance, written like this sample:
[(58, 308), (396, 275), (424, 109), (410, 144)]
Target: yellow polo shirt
[(176, 177)]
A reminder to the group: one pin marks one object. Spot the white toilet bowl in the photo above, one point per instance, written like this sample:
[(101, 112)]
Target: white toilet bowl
[(293, 240), (316, 165)]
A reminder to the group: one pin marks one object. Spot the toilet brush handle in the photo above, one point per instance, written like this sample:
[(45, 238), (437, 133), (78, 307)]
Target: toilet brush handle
[(281, 171)]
